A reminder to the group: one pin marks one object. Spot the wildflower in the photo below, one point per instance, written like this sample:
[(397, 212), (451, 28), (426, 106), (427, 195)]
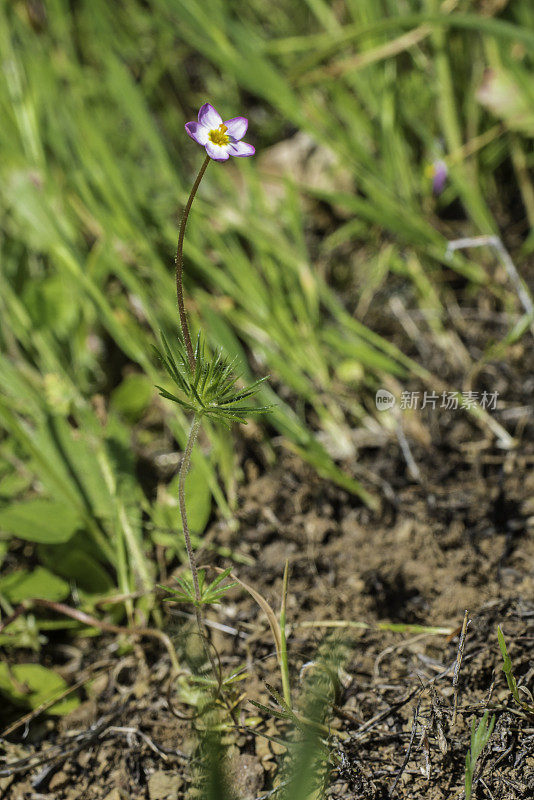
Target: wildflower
[(221, 139), (439, 174)]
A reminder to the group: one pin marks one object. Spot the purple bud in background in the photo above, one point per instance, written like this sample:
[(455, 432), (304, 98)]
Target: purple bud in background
[(440, 173)]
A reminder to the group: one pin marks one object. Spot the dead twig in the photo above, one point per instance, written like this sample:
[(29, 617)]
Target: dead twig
[(386, 713), (506, 261), (410, 745), (458, 665), (135, 732), (27, 718), (63, 750), (93, 622)]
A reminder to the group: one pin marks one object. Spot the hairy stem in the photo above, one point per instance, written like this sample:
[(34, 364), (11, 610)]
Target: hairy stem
[(184, 469), (179, 261)]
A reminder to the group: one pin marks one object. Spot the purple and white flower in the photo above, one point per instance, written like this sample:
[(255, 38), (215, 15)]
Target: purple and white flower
[(221, 139)]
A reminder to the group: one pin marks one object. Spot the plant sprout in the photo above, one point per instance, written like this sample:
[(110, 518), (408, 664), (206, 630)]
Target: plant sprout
[(480, 736)]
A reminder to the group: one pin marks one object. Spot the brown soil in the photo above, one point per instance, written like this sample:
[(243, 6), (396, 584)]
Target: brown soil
[(461, 542)]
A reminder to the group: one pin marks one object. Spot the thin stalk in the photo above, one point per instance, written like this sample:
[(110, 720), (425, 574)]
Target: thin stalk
[(197, 419), (184, 469), (179, 261), (284, 666)]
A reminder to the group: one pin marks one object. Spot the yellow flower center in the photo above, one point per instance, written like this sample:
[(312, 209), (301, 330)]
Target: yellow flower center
[(219, 136)]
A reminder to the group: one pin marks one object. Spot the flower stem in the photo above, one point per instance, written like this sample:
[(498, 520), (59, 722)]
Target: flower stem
[(184, 469), (179, 261)]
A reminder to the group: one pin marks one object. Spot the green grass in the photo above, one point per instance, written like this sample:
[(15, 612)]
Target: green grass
[(94, 168)]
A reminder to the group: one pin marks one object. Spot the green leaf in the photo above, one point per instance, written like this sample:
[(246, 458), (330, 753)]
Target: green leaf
[(76, 453), (50, 304), (197, 499), (78, 566), (166, 514), (23, 585), (274, 712), (4, 546), (219, 579), (133, 396), (86, 572), (13, 484), (39, 520), (31, 685)]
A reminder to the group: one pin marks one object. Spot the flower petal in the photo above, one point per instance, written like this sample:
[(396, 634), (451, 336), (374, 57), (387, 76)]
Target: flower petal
[(237, 127), (219, 152), (241, 149), (209, 117), (197, 132)]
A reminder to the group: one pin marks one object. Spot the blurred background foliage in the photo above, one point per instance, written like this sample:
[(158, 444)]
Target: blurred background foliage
[(290, 256)]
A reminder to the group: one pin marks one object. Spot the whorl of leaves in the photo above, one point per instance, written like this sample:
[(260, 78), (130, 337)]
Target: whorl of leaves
[(209, 594), (210, 388)]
